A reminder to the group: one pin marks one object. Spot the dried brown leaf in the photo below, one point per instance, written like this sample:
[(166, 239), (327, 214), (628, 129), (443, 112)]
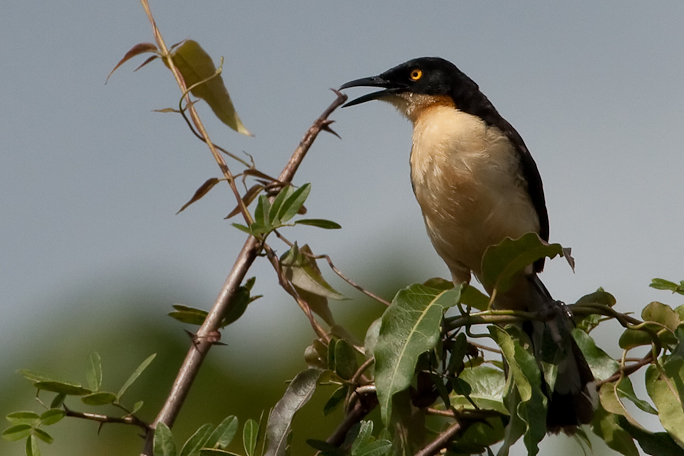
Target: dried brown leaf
[(138, 49), (203, 190)]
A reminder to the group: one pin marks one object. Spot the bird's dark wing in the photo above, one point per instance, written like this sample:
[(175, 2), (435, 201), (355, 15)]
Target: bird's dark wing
[(472, 101)]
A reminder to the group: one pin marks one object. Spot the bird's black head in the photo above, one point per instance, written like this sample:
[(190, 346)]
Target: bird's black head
[(432, 76)]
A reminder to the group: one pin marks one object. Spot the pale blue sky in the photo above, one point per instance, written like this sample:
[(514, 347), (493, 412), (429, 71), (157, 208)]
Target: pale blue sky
[(91, 178)]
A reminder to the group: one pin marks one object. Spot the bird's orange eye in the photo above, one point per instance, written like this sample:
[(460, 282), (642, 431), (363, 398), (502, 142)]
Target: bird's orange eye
[(416, 74)]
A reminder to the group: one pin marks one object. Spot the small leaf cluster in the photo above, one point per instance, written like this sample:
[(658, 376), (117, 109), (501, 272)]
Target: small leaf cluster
[(269, 216), (207, 440), (27, 424)]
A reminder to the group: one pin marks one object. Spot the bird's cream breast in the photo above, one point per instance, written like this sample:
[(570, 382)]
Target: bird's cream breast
[(466, 178)]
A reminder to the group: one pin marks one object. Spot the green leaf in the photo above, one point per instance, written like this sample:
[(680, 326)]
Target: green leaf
[(101, 398), (668, 402), (602, 365), (242, 228), (662, 284), (224, 433), (612, 402), (606, 426), (58, 401), (35, 376), (335, 399), (134, 376), (598, 297), (375, 448), (298, 393), (503, 261), (30, 418), (136, 407), (250, 436), (345, 360), (293, 203), (364, 436), (410, 326), (52, 416), (203, 190), (261, 212), (70, 389), (320, 223), (478, 436), (661, 313), (32, 448), (17, 432), (163, 441), (274, 212), (196, 441), (471, 296), (526, 377), (626, 390), (94, 371), (42, 435), (632, 338), (657, 444), (189, 315), (241, 299), (216, 452), (196, 66), (487, 388), (303, 272)]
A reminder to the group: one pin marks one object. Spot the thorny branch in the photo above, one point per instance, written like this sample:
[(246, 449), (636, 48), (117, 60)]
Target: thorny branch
[(246, 257)]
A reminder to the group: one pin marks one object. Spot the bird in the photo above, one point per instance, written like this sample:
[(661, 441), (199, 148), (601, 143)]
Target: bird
[(477, 184)]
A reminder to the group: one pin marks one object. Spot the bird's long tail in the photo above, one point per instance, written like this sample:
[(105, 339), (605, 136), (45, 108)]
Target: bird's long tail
[(567, 379)]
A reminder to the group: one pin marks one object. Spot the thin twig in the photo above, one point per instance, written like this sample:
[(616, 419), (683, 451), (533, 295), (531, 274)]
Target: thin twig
[(337, 271), (441, 441), (104, 419), (198, 351)]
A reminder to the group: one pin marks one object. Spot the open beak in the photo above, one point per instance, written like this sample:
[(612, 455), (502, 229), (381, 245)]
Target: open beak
[(374, 81)]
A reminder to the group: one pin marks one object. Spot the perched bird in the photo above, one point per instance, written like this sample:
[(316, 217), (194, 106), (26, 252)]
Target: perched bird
[(476, 184)]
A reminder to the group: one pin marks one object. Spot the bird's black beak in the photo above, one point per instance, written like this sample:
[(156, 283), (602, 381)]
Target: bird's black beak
[(374, 81)]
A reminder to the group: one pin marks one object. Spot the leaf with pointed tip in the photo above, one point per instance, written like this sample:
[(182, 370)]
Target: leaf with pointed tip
[(58, 401), (203, 190), (303, 272), (525, 374), (30, 418), (410, 326), (502, 262), (606, 426), (100, 398), (136, 407), (35, 376), (163, 441), (42, 435), (293, 203), (196, 441), (364, 437), (662, 284), (668, 402), (70, 389), (375, 448), (298, 393), (242, 228), (147, 60), (134, 376), (335, 399), (274, 212), (138, 49), (32, 448), (94, 371), (190, 315), (17, 432), (601, 364), (487, 388), (656, 444), (319, 223), (196, 67), (224, 433), (250, 436)]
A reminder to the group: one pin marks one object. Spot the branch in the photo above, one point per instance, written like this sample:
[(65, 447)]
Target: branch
[(246, 257), (103, 419), (441, 441)]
